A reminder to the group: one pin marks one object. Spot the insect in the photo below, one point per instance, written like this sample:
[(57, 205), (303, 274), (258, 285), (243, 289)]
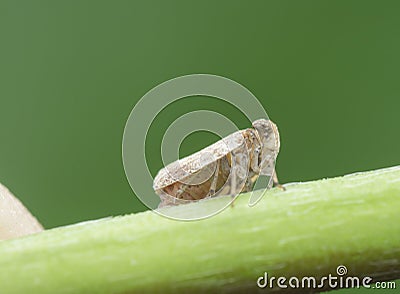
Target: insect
[(227, 167)]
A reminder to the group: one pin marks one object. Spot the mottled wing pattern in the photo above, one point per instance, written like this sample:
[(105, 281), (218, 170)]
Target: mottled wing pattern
[(181, 169), (227, 167), (191, 178)]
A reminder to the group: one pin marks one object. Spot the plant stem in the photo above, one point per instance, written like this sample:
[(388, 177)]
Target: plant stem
[(307, 230)]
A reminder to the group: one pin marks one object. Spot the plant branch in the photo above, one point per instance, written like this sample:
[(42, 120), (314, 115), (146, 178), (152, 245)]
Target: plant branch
[(307, 230)]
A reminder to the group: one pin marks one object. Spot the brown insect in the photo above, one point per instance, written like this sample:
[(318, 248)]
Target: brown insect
[(227, 167)]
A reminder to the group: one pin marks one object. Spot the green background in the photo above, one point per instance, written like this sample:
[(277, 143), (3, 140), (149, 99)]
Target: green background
[(327, 73), (71, 71)]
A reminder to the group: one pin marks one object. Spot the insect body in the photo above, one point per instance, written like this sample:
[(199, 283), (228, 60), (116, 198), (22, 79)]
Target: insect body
[(227, 167)]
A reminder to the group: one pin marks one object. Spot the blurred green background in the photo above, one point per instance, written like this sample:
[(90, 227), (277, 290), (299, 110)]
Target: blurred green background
[(327, 73)]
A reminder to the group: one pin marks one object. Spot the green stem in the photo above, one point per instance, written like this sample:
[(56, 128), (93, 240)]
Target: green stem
[(307, 230)]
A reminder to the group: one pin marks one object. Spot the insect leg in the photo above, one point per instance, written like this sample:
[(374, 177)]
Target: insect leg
[(233, 182), (276, 182), (233, 185), (180, 191), (238, 175), (214, 181)]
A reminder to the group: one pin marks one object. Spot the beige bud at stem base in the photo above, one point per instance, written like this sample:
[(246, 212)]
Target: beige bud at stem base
[(15, 219)]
